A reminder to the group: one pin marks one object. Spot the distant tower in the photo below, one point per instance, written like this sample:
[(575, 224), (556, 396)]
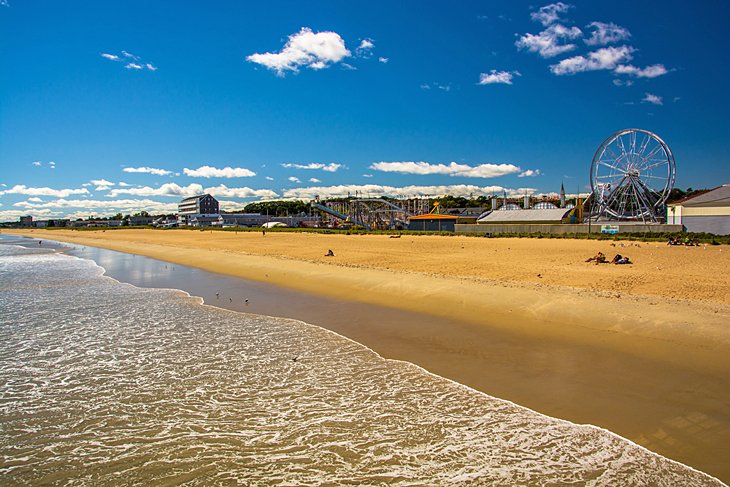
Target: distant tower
[(526, 203), (562, 196)]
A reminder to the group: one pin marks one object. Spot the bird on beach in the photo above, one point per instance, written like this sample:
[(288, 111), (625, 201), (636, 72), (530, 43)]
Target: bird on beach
[(295, 358)]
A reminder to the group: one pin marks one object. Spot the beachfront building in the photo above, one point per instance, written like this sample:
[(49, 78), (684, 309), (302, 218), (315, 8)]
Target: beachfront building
[(432, 222), (708, 212), (202, 209), (532, 216)]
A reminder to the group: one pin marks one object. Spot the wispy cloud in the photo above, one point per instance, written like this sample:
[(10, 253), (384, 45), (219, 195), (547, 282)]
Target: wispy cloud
[(58, 193), (294, 179), (331, 167), (147, 170), (214, 172), (438, 86), (604, 58), (132, 62), (365, 49), (314, 180), (383, 60), (529, 173), (653, 99), (451, 169), (606, 33), (496, 77), (304, 49), (37, 163), (652, 71)]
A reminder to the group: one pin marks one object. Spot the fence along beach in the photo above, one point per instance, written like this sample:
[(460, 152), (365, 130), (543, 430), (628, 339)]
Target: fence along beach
[(640, 350)]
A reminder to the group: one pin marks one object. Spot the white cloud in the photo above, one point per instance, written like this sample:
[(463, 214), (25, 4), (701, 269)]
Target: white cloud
[(375, 190), (133, 66), (529, 173), (58, 193), (305, 48), (366, 44), (214, 172), (123, 184), (427, 86), (294, 179), (332, 167), (112, 206), (651, 98), (451, 169), (383, 60), (101, 184), (269, 178), (172, 189), (37, 163), (130, 55), (550, 14), (652, 71), (111, 57), (367, 175), (314, 180), (51, 163), (151, 67), (604, 58), (494, 76), (548, 43), (223, 190), (35, 199), (148, 170), (606, 34), (620, 82)]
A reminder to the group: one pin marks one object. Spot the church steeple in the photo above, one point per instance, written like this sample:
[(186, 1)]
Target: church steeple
[(562, 195)]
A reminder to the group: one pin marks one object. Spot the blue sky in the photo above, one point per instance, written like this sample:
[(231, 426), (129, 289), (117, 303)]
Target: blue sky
[(121, 106)]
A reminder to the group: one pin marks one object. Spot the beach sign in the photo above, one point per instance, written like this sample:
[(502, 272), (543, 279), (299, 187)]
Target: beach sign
[(612, 229)]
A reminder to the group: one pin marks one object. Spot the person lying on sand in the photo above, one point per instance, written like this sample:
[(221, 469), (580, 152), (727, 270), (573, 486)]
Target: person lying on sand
[(619, 259), (599, 258)]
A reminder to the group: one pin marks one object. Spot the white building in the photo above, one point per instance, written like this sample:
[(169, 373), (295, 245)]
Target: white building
[(708, 212)]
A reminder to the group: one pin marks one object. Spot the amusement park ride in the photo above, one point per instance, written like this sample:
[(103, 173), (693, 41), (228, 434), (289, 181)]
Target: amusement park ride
[(631, 175)]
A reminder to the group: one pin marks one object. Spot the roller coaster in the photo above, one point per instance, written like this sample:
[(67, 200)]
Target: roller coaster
[(371, 213)]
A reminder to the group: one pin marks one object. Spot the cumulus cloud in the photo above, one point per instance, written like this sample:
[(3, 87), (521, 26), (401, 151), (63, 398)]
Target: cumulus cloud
[(653, 99), (383, 60), (58, 193), (375, 190), (294, 179), (652, 71), (604, 58), (35, 199), (304, 49), (494, 76), (101, 184), (172, 189), (37, 163), (332, 167), (113, 206), (314, 180), (550, 42), (366, 44), (148, 170), (529, 173), (214, 172), (133, 66), (550, 14), (451, 169), (606, 34)]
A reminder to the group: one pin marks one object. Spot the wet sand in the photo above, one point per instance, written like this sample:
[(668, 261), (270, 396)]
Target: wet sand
[(639, 350)]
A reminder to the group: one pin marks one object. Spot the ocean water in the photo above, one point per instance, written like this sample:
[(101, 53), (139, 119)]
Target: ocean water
[(106, 383)]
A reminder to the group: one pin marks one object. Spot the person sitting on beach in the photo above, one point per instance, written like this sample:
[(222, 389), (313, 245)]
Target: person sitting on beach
[(329, 253), (622, 260), (599, 258)]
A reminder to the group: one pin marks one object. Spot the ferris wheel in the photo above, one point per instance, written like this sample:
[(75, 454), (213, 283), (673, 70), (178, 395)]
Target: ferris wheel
[(632, 174)]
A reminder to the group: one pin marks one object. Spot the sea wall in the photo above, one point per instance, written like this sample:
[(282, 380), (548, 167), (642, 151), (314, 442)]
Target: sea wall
[(562, 229)]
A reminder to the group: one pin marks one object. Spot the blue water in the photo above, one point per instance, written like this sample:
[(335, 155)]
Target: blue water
[(106, 383)]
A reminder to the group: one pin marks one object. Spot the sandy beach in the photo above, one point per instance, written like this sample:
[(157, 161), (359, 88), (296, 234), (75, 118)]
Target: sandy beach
[(641, 350)]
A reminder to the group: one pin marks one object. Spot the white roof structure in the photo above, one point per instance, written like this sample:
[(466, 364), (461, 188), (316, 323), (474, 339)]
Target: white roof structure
[(548, 215)]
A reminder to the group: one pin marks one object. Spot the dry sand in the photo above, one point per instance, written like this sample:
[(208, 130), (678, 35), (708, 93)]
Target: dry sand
[(643, 350)]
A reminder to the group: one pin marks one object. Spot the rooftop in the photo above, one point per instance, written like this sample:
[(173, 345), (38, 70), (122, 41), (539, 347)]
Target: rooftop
[(719, 196)]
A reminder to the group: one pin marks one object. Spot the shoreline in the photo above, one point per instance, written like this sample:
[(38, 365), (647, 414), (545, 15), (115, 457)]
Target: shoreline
[(622, 375)]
